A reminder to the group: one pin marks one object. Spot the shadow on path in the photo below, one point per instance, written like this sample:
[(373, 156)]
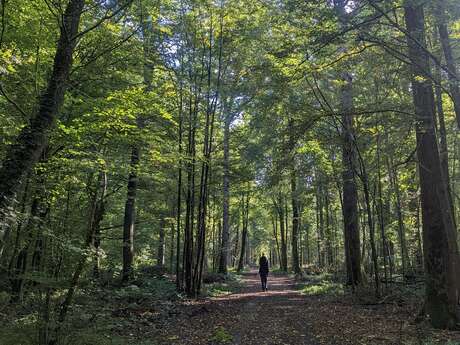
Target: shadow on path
[(250, 316), (271, 317)]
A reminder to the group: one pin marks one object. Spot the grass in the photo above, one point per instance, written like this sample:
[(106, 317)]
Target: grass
[(322, 288), (221, 336), (231, 283), (321, 284)]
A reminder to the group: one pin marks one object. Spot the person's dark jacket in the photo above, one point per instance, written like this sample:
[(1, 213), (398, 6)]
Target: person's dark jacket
[(263, 266)]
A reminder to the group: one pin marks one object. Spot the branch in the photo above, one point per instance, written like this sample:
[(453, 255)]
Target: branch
[(408, 159), (120, 225), (3, 3), (105, 51), (12, 102), (103, 19), (402, 57), (408, 35)]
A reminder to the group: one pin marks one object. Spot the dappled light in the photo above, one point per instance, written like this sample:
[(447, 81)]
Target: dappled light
[(229, 172)]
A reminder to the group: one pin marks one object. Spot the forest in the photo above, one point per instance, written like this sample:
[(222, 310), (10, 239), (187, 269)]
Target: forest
[(151, 151)]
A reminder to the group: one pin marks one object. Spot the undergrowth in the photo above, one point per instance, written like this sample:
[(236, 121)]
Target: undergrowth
[(321, 284), (98, 315), (222, 286)]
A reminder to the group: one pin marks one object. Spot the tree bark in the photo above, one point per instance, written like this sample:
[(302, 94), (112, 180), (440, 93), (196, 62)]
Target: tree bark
[(24, 153), (319, 222), (350, 193), (294, 201), (38, 213), (284, 260), (328, 232), (225, 198), (237, 242), (398, 206), (130, 217), (244, 233), (161, 245), (275, 235), (441, 21), (370, 224), (443, 151), (19, 228), (295, 225), (179, 187), (381, 214), (439, 234), (129, 220)]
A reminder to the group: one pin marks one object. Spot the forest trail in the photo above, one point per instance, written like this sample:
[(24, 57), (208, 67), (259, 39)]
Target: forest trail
[(250, 316)]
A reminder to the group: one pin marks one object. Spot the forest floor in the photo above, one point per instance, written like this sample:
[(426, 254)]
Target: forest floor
[(311, 311), (249, 316)]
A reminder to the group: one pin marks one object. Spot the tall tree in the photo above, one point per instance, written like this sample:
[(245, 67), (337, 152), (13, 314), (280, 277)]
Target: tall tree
[(294, 200), (22, 155), (133, 179), (350, 193), (439, 235), (279, 204), (225, 246), (244, 232), (441, 22)]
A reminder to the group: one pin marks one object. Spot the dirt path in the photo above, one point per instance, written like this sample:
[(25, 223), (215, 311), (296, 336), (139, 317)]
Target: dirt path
[(275, 317)]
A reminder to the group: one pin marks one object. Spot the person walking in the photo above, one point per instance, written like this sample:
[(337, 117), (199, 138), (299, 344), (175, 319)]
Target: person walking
[(263, 271)]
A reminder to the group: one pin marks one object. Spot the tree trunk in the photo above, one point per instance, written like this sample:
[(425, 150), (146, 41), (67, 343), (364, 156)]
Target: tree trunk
[(350, 193), (284, 260), (237, 242), (275, 235), (398, 206), (171, 248), (226, 198), (130, 217), (244, 233), (381, 214), (439, 234), (190, 205), (319, 222), (294, 201), (130, 205), (161, 244), (295, 225), (24, 153), (211, 107), (328, 232), (38, 212), (370, 224), (179, 188), (286, 227), (97, 252), (441, 21), (96, 214), (19, 228), (443, 151)]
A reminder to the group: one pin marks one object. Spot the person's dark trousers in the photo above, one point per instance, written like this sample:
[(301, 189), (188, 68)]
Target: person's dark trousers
[(263, 279)]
